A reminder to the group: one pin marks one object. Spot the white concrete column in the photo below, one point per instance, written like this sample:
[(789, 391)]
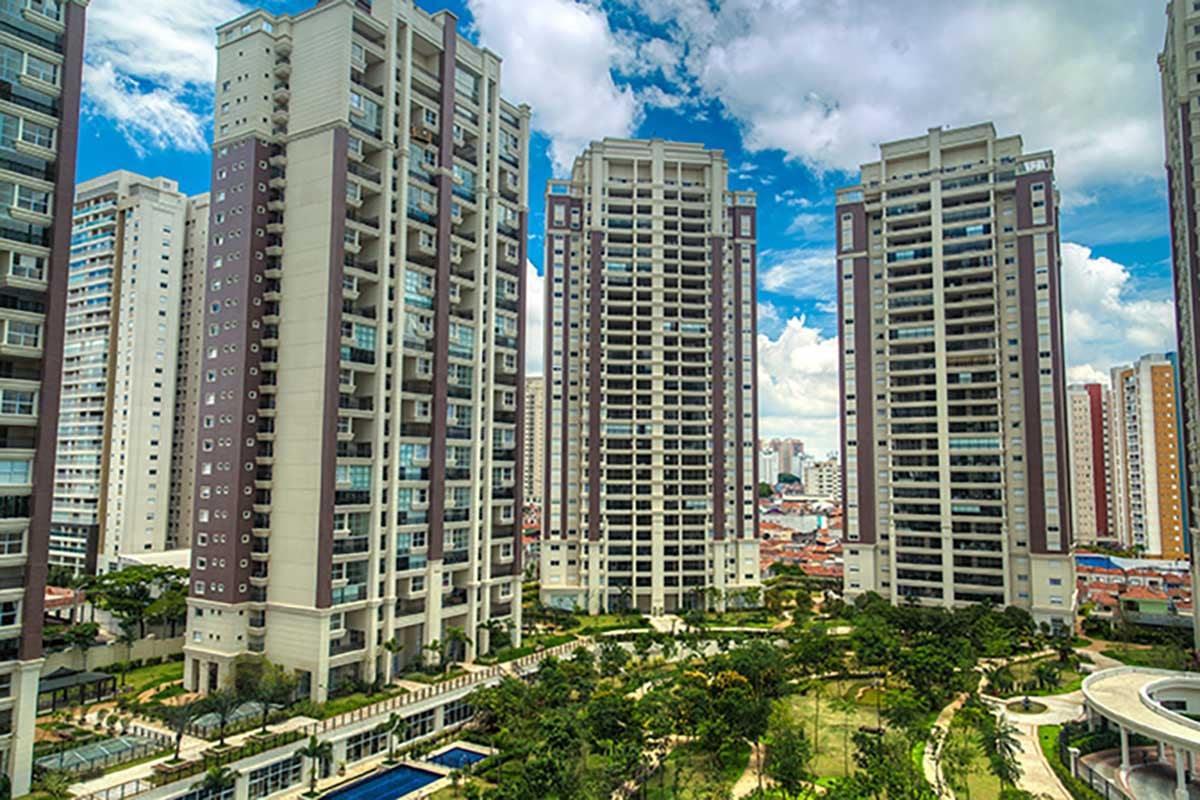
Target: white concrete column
[(1124, 747), (1181, 790), (1091, 719), (1162, 752)]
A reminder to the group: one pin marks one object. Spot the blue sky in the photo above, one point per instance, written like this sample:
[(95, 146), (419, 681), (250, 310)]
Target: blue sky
[(797, 93)]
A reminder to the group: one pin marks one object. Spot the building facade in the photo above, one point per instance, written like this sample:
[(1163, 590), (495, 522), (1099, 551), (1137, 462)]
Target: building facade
[(791, 454), (358, 485), (1181, 93), (651, 469), (768, 466), (39, 120), (954, 399), (823, 478), (189, 365), (535, 438), (116, 420), (1147, 429), (1093, 507)]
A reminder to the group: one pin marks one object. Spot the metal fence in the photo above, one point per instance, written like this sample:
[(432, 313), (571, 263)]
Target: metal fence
[(1097, 782), (134, 744)]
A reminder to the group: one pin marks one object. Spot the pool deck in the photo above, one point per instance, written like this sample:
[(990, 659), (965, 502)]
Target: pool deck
[(375, 765)]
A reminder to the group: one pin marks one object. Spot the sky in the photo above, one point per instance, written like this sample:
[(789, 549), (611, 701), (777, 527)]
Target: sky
[(797, 93)]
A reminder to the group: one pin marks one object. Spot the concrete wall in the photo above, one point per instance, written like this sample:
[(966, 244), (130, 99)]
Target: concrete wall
[(106, 654)]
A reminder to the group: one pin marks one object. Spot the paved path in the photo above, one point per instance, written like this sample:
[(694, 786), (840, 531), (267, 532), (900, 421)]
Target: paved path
[(1037, 777), (748, 782), (667, 623), (929, 761)]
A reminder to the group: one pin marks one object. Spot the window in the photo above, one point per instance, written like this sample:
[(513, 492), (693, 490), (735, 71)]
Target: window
[(27, 266), (15, 401), (9, 612), (41, 70), (35, 134), (12, 543), (33, 200), (14, 473), (23, 334)]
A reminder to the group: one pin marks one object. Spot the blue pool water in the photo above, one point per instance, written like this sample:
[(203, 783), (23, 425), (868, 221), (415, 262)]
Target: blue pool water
[(456, 758), (388, 786)]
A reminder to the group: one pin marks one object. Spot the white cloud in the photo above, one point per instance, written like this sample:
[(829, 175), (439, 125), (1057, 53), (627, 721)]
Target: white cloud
[(1086, 373), (535, 330), (150, 69), (825, 82), (798, 386), (1103, 325), (803, 272), (559, 56), (813, 225)]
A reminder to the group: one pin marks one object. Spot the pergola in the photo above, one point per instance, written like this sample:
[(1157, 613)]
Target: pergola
[(1155, 703), (67, 687)]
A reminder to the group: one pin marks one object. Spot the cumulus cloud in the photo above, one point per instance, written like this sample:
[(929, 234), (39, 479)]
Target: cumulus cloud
[(559, 56), (535, 329), (150, 69), (825, 82), (798, 386), (802, 272), (1104, 322)]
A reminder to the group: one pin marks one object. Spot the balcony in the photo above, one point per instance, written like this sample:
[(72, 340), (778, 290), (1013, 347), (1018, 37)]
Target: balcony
[(351, 545), (351, 497), (352, 641)]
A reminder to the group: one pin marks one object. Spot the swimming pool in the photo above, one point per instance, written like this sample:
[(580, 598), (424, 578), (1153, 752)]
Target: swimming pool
[(392, 784), (457, 758)]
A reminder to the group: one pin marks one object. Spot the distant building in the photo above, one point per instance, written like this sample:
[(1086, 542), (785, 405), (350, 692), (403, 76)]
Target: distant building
[(768, 466), (823, 479), (116, 421), (954, 428), (1147, 432), (791, 453), (1092, 495), (535, 438)]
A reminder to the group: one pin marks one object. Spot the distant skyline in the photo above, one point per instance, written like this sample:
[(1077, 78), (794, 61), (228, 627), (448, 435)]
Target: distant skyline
[(774, 84)]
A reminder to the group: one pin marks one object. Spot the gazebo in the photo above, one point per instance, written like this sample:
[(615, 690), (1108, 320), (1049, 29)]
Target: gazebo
[(67, 687)]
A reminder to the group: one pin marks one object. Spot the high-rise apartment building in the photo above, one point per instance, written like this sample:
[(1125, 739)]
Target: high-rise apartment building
[(1093, 499), (651, 472), (42, 74), (823, 478), (535, 438), (1147, 430), (1181, 94), (189, 366), (791, 454), (768, 466), (116, 420), (954, 402), (359, 462)]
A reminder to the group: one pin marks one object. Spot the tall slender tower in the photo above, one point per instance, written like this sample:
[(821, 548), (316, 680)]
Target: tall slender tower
[(189, 369), (1181, 93), (1147, 430), (535, 437), (954, 403), (116, 421), (361, 411), (1093, 509), (651, 471), (42, 74)]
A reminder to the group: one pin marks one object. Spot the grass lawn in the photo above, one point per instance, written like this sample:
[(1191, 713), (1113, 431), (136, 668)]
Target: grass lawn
[(1069, 680), (1048, 740), (755, 618), (1159, 655), (837, 725), (981, 784), (153, 676), (685, 761), (437, 677), (600, 623)]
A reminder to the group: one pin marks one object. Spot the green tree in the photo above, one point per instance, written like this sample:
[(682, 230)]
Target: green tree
[(394, 725), (81, 636), (613, 658), (56, 785), (179, 718), (765, 490), (457, 643), (959, 754), (394, 648), (788, 754), (318, 754), (222, 704)]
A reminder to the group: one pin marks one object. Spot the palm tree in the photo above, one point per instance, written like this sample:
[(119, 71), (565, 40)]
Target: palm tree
[(179, 718), (1045, 675), (222, 704), (1000, 678), (217, 782), (456, 636), (624, 598), (127, 637), (80, 636), (438, 649), (317, 752), (394, 724), (1000, 744)]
